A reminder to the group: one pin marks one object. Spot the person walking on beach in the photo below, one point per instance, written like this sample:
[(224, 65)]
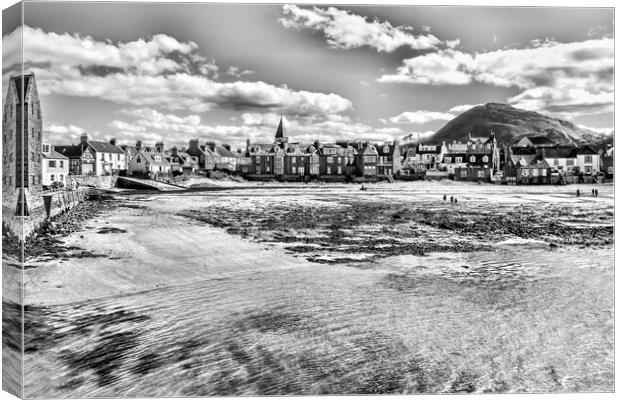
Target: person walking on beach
[(456, 200), (593, 193), (451, 199), (578, 193), (444, 197), (596, 192)]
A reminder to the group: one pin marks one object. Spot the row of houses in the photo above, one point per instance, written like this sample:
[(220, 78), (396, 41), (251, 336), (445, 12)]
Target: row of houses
[(533, 159)]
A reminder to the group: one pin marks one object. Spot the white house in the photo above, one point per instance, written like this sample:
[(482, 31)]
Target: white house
[(588, 159), (54, 166), (148, 164)]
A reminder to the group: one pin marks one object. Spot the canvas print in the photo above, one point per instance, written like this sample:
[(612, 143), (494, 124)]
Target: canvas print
[(306, 199)]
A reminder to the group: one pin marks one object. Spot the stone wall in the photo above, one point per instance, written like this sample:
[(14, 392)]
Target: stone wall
[(52, 204), (96, 181)]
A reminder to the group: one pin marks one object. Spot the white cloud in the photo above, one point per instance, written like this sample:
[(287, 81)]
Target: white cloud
[(420, 117), (601, 131), (61, 133), (158, 72), (446, 67), (345, 30), (461, 108), (559, 78)]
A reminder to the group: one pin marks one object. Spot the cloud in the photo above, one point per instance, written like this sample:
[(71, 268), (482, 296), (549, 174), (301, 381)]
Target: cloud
[(155, 72), (420, 117), (345, 30), (61, 133), (237, 73), (150, 125), (446, 67), (461, 108), (601, 131), (574, 78)]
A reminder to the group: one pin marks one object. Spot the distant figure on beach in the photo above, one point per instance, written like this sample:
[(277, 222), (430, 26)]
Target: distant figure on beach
[(456, 200), (444, 197), (578, 194), (593, 194), (451, 199), (596, 192)]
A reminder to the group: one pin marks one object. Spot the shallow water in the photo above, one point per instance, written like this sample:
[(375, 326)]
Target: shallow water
[(521, 318)]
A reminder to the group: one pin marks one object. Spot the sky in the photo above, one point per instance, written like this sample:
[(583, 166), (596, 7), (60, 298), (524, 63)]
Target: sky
[(229, 72)]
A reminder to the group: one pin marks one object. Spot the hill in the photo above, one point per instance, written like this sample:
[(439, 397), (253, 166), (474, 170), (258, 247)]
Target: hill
[(510, 124)]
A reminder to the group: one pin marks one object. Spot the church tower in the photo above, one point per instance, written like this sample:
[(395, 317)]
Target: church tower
[(280, 139), (22, 151)]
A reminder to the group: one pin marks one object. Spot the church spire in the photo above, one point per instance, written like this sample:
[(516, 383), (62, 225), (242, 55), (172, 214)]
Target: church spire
[(280, 131)]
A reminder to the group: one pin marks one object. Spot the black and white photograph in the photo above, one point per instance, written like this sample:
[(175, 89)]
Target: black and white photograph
[(271, 199)]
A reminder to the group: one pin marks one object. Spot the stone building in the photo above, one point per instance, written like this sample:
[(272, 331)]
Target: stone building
[(21, 156)]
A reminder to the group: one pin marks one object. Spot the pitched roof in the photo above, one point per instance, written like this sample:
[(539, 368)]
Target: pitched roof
[(104, 147), (71, 151), (586, 149), (54, 155), (559, 152), (150, 158), (223, 152)]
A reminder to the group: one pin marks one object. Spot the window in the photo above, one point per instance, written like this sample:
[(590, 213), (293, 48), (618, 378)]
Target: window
[(588, 169), (293, 170), (139, 159), (330, 160), (463, 173), (339, 160), (46, 148), (570, 163), (534, 172), (480, 174), (370, 159), (329, 170), (52, 178), (556, 161), (485, 159), (294, 160), (588, 159), (52, 164), (448, 160), (472, 159), (458, 160), (339, 170), (62, 178), (118, 157)]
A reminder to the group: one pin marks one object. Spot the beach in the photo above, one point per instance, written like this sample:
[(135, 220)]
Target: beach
[(308, 289)]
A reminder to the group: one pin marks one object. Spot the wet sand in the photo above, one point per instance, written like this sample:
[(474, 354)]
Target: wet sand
[(267, 292)]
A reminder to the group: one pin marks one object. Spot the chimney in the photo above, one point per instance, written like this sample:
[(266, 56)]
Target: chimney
[(210, 144), (174, 151), (83, 138), (138, 145), (113, 141), (159, 147)]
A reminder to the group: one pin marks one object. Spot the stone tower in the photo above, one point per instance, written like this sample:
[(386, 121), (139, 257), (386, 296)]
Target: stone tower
[(22, 152)]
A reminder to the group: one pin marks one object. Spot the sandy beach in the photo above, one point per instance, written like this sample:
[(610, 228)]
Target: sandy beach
[(311, 289)]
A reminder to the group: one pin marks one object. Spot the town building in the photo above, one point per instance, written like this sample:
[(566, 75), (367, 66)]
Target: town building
[(149, 164), (536, 141), (203, 155), (54, 167), (389, 159), (22, 150), (92, 157), (181, 162)]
